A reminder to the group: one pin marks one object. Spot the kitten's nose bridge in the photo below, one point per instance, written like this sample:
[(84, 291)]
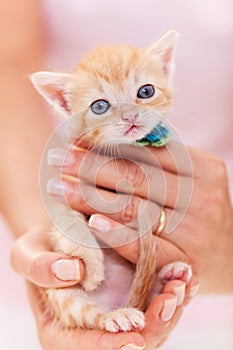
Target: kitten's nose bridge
[(130, 116)]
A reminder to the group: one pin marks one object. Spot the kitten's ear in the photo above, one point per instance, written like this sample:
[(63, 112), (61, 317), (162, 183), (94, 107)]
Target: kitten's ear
[(163, 52), (54, 87)]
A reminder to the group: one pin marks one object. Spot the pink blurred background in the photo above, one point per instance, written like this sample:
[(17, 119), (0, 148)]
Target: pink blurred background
[(202, 113)]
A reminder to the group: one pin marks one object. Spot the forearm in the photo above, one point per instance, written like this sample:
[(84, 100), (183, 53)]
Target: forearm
[(23, 134), (24, 121)]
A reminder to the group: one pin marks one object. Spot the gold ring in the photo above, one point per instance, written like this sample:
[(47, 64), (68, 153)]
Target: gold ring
[(162, 222)]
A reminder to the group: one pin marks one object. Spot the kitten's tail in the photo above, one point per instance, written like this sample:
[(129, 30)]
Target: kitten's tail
[(146, 264)]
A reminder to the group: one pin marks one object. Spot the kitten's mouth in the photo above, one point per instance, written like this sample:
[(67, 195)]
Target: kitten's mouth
[(158, 136), (132, 130)]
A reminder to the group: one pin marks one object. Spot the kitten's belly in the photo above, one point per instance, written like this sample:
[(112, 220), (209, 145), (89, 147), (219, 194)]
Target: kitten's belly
[(114, 290)]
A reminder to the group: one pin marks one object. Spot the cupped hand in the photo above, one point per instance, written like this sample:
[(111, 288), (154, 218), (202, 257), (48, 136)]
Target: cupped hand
[(191, 185), (32, 258), (161, 317)]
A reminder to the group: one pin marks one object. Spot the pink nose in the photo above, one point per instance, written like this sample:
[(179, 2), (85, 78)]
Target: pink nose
[(130, 118)]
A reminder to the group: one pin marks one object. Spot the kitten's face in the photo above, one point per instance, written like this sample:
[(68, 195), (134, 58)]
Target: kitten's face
[(115, 94)]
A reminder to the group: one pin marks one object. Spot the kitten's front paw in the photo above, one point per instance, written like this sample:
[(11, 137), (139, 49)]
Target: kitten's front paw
[(92, 281), (94, 265), (125, 319), (177, 270)]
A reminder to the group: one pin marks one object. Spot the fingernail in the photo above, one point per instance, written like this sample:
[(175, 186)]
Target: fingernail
[(131, 346), (180, 293), (60, 157), (56, 187), (194, 290), (169, 308), (99, 223), (66, 270)]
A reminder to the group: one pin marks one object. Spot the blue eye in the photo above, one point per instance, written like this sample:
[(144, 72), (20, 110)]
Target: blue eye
[(146, 91), (100, 106)]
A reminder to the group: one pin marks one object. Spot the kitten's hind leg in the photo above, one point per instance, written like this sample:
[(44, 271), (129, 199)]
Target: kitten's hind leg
[(74, 308), (124, 319), (176, 270)]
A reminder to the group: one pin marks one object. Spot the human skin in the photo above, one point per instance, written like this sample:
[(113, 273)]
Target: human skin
[(53, 337), (203, 240), (204, 237), (31, 257), (22, 115)]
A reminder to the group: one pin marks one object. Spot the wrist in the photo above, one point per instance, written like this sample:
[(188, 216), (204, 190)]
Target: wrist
[(218, 278)]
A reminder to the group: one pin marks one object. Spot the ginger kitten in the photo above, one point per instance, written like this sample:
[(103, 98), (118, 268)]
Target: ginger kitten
[(119, 95)]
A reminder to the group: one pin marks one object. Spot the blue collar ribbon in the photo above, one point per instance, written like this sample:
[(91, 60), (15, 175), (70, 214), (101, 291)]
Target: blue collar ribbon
[(157, 137)]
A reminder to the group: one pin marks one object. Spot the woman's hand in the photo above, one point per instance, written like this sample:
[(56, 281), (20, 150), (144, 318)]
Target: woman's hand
[(202, 230), (161, 317), (32, 258)]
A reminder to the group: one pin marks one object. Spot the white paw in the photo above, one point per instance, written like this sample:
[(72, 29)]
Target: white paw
[(126, 319), (177, 270)]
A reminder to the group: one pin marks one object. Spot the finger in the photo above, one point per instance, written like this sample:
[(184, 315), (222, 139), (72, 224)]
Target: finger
[(184, 293), (89, 200), (178, 288), (124, 240), (125, 176), (31, 257), (170, 326), (181, 198), (52, 336), (174, 157), (158, 316), (91, 340), (121, 208), (191, 290)]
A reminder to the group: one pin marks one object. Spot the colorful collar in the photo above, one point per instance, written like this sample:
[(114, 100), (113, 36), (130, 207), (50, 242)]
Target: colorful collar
[(157, 137)]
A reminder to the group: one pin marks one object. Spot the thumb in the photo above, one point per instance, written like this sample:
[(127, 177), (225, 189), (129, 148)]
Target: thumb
[(32, 258)]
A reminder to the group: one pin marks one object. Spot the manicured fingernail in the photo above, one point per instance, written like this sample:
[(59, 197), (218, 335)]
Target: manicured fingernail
[(60, 157), (132, 347), (56, 187), (169, 308), (66, 270), (180, 293), (194, 290), (99, 223)]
